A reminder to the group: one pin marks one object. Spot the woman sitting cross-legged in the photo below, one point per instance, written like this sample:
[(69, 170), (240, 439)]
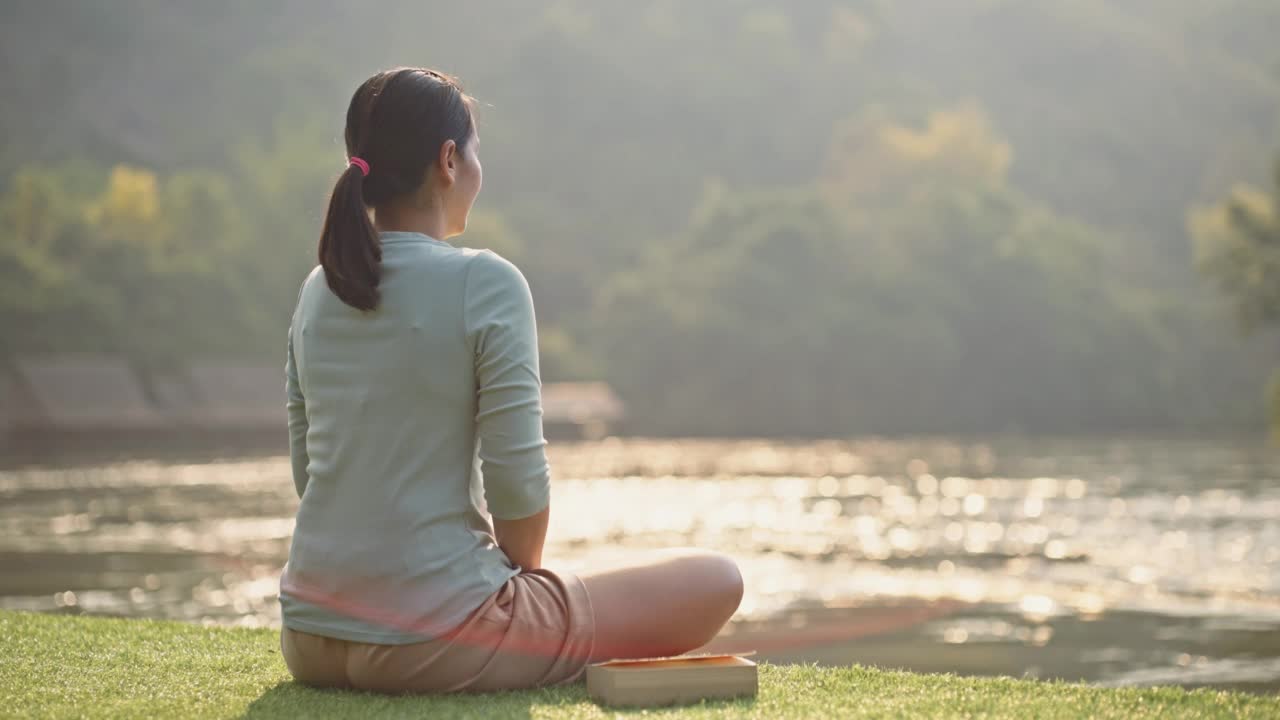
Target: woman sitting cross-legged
[(415, 425)]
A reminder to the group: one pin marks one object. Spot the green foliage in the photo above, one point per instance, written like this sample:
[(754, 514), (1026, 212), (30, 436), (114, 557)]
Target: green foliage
[(985, 200), (137, 267), (1238, 244), (908, 290), (1238, 248)]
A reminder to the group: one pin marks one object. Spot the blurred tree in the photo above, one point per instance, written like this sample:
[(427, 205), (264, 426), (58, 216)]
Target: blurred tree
[(39, 229), (141, 268), (870, 154), (1238, 248), (908, 290)]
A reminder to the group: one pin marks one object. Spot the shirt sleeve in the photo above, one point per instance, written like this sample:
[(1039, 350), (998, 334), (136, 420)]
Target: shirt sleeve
[(297, 407), (502, 331)]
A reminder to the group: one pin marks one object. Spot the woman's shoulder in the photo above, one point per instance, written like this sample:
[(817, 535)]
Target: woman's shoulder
[(495, 292), (309, 283), (316, 275), (488, 267)]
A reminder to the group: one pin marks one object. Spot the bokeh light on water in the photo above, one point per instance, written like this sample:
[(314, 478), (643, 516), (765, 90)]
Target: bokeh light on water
[(1134, 561)]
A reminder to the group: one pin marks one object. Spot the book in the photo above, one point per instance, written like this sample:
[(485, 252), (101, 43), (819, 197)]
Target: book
[(676, 679)]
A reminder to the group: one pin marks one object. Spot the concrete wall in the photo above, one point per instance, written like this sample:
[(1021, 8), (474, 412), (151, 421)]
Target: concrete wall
[(87, 392)]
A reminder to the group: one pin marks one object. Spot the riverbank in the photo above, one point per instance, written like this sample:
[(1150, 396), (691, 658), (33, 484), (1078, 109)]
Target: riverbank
[(60, 666)]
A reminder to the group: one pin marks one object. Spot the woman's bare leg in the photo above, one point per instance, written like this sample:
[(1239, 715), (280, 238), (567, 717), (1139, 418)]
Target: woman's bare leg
[(668, 603)]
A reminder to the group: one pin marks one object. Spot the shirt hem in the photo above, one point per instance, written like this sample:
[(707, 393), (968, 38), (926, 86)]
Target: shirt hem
[(391, 637), (355, 635)]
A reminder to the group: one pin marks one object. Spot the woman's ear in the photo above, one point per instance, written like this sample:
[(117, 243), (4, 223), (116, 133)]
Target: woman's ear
[(448, 162)]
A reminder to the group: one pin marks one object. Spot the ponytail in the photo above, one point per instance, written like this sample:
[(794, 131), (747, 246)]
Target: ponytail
[(350, 251)]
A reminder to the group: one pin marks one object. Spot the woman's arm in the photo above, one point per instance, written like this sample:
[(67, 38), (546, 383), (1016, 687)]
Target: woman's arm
[(502, 331), (522, 539), (297, 408)]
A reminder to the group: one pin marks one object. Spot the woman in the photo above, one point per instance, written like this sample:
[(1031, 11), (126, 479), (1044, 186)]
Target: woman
[(415, 426)]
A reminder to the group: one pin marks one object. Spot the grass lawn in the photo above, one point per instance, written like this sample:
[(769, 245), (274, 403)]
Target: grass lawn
[(71, 666)]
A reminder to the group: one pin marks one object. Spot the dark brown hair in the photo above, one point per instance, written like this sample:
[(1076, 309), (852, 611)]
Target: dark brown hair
[(397, 121)]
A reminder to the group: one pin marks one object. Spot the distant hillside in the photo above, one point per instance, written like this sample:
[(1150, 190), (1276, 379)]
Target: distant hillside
[(966, 177)]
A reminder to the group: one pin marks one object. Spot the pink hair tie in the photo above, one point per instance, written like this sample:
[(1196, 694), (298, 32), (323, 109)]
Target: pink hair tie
[(358, 162)]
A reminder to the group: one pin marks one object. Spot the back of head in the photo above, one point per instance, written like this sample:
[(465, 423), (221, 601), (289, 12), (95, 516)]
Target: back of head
[(396, 123)]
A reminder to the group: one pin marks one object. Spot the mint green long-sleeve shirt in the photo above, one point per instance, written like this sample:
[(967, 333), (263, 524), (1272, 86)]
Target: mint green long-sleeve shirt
[(409, 427)]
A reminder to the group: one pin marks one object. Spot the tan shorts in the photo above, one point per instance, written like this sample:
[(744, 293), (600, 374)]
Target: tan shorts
[(538, 629)]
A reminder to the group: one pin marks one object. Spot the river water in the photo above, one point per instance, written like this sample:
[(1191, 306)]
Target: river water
[(1114, 561)]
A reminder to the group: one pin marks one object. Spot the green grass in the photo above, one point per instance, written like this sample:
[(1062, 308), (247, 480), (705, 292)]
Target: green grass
[(70, 666)]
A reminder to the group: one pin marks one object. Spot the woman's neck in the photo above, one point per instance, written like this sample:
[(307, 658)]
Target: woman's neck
[(428, 221)]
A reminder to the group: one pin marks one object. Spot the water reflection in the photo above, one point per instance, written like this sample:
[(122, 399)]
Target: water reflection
[(1077, 559)]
